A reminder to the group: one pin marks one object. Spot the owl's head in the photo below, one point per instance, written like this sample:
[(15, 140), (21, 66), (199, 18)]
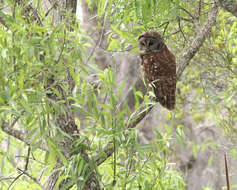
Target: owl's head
[(150, 42)]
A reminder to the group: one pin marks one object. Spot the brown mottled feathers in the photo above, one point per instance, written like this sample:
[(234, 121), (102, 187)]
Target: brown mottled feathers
[(159, 67)]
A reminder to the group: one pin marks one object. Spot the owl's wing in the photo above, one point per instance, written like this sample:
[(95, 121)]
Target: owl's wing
[(165, 86), (164, 90)]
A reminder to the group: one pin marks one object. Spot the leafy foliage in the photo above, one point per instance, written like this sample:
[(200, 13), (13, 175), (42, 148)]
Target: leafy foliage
[(46, 73), (35, 63)]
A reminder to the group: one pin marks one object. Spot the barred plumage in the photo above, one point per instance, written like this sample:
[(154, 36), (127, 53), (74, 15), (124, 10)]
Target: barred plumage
[(159, 67)]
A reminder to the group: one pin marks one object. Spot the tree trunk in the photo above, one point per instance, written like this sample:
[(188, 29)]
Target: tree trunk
[(66, 121)]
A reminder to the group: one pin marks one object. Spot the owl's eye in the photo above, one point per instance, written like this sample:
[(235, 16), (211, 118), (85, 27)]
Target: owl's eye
[(150, 43)]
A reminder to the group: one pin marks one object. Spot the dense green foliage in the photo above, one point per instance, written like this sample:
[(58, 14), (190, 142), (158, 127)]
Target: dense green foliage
[(46, 72)]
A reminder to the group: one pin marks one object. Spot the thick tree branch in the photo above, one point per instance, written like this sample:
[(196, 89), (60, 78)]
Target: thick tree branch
[(18, 134), (183, 62), (229, 5), (65, 120), (204, 31)]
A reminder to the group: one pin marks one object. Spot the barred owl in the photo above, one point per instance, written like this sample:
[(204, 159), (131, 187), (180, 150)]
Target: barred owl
[(159, 67)]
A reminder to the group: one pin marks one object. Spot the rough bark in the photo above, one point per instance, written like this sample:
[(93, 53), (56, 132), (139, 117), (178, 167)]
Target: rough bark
[(19, 134), (66, 121), (204, 31)]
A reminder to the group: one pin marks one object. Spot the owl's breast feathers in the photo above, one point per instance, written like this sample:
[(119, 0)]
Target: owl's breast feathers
[(160, 63), (160, 70)]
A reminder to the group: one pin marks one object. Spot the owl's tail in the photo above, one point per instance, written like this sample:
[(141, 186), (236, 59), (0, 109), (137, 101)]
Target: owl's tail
[(167, 101), (165, 93)]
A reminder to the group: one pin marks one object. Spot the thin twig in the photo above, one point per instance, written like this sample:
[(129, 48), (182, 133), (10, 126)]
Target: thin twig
[(227, 174), (35, 14), (24, 172), (180, 28), (145, 162), (27, 159), (26, 166), (166, 26), (173, 33), (98, 42), (6, 178), (186, 19), (115, 162), (165, 23), (31, 159), (31, 177), (51, 8), (62, 49), (117, 51), (199, 8), (14, 180), (183, 9)]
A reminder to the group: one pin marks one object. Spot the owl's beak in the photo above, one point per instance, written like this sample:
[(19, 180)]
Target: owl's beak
[(144, 52)]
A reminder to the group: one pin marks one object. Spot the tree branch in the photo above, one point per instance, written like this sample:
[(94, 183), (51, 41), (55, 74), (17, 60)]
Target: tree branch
[(31, 177), (18, 134), (184, 60), (227, 174), (24, 172)]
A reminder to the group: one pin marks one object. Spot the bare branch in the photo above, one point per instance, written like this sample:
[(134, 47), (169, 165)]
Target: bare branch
[(173, 33), (31, 177), (14, 180), (166, 26), (199, 8), (27, 159), (186, 11), (55, 4), (227, 174), (18, 134), (186, 19), (181, 30), (35, 13), (24, 172), (98, 43)]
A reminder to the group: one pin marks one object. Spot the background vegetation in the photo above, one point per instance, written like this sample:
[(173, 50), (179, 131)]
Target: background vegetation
[(74, 110)]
